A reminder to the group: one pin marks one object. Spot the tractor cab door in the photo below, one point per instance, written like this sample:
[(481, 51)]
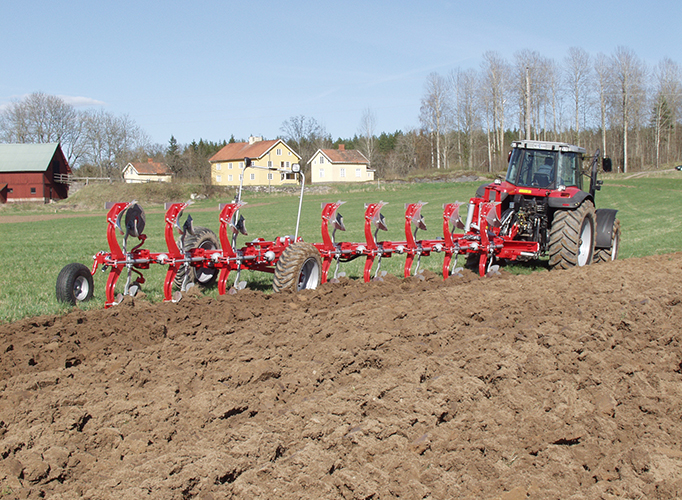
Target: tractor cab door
[(532, 168)]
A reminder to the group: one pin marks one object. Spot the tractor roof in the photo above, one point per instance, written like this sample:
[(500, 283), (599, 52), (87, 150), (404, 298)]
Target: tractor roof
[(548, 146)]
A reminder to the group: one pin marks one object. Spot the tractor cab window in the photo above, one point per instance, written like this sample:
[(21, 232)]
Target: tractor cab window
[(532, 168), (569, 170)]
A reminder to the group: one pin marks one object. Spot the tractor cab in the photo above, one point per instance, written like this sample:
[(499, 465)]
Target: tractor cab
[(545, 165)]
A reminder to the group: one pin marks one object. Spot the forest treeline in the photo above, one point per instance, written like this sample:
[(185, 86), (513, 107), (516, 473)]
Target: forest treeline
[(468, 117)]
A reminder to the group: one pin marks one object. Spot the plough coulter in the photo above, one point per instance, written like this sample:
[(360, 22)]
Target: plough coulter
[(539, 210)]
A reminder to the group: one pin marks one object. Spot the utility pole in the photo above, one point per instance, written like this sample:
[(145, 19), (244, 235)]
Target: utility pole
[(527, 104)]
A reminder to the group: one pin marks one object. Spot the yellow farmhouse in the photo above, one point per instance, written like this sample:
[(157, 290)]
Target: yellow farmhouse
[(228, 163), (340, 165)]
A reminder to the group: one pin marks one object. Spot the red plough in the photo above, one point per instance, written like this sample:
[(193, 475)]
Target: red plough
[(540, 209)]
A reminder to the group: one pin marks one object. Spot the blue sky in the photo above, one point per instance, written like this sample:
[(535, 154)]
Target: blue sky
[(218, 68)]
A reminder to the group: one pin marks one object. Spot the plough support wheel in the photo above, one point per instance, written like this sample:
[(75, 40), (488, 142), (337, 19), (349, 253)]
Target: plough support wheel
[(202, 276), (298, 268), (74, 284)]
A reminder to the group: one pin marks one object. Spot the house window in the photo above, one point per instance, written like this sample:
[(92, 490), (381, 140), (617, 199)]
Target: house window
[(321, 160), (287, 165), (279, 152), (33, 190), (241, 165), (289, 153), (321, 173), (358, 172), (229, 166), (252, 177), (218, 178), (342, 173), (270, 176), (217, 166), (269, 163), (229, 178)]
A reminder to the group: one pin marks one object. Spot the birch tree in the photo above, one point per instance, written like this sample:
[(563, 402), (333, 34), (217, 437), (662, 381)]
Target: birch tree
[(367, 132), (628, 73), (494, 85), (666, 109), (601, 70), (435, 116), (577, 74)]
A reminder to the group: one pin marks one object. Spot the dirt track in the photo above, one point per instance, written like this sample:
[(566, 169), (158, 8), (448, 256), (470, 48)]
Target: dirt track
[(555, 385)]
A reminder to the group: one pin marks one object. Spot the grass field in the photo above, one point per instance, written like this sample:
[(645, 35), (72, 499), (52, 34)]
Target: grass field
[(32, 253)]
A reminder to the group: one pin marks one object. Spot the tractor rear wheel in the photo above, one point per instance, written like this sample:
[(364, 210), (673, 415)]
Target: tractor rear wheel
[(607, 254), (74, 284), (571, 238), (202, 276), (298, 268)]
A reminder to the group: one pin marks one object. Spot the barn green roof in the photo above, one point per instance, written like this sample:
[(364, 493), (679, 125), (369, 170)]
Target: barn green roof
[(26, 157)]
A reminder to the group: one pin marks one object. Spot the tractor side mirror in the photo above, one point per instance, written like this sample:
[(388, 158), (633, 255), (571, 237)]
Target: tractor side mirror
[(606, 165)]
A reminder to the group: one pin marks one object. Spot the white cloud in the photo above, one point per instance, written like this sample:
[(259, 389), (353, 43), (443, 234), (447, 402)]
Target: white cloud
[(79, 102)]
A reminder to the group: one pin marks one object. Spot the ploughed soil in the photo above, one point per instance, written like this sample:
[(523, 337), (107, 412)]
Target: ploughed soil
[(562, 384)]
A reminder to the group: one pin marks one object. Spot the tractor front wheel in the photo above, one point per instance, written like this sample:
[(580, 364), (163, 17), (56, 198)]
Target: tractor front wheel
[(298, 268), (571, 239), (74, 284), (607, 254)]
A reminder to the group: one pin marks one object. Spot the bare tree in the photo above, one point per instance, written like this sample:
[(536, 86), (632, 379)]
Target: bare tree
[(629, 73), (550, 99), (305, 135), (367, 134), (494, 89), (110, 141), (602, 72), (527, 88), (578, 72), (466, 85), (435, 116), (43, 118), (666, 109)]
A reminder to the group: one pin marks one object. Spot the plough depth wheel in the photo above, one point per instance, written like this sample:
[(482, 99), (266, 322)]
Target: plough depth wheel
[(202, 276), (74, 284), (298, 268), (608, 254)]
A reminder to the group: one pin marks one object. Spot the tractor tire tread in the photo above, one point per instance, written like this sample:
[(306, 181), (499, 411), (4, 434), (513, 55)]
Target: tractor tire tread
[(564, 237)]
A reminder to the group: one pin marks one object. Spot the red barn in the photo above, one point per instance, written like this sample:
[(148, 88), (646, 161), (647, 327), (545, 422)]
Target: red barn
[(33, 172)]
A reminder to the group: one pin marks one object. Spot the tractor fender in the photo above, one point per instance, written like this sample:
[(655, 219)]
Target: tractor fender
[(605, 219), (569, 203)]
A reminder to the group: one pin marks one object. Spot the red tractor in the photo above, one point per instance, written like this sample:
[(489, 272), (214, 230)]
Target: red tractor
[(541, 209)]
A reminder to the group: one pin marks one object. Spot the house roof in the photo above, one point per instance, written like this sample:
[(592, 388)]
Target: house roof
[(27, 157), (344, 156), (237, 151), (150, 167)]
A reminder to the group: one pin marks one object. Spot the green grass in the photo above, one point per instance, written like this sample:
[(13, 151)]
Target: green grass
[(32, 253)]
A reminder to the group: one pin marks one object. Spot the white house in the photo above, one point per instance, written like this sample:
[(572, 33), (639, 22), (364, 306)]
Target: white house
[(146, 172)]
